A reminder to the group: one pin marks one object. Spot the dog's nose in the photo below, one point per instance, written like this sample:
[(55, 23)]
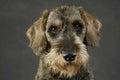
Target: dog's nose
[(69, 57)]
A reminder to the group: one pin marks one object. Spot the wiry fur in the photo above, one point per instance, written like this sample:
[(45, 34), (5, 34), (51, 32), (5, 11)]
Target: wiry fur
[(52, 64)]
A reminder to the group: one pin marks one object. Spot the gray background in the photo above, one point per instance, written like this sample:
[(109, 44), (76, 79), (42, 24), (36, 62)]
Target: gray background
[(17, 61)]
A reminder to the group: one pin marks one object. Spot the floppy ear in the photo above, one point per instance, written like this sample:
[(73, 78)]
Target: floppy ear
[(36, 34), (93, 26)]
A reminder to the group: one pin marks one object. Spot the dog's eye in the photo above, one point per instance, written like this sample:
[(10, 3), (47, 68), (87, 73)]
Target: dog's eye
[(53, 29), (77, 26)]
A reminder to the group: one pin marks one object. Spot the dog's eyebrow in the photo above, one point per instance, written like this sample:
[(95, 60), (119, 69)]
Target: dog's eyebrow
[(55, 21)]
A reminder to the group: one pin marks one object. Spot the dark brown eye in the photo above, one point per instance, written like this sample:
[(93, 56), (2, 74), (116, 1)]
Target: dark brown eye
[(77, 26), (53, 31)]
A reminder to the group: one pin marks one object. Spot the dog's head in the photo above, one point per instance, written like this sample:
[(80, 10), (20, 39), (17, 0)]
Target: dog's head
[(62, 34)]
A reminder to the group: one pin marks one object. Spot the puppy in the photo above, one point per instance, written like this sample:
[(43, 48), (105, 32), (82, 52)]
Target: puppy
[(60, 37)]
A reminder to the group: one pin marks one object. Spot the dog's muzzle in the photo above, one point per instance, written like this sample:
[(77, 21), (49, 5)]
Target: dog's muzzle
[(68, 50)]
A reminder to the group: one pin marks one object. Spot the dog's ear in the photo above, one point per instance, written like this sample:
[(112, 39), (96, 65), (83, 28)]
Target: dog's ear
[(36, 34), (93, 28)]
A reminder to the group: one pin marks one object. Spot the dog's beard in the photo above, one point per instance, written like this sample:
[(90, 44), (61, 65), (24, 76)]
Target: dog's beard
[(57, 64)]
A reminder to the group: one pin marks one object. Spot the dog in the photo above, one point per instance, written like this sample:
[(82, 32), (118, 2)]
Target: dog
[(60, 37)]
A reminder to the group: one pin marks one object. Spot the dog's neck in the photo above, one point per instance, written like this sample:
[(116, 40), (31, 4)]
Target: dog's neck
[(83, 74)]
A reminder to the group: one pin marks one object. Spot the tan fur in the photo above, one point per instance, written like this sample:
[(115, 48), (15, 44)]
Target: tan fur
[(52, 62), (36, 34), (93, 27)]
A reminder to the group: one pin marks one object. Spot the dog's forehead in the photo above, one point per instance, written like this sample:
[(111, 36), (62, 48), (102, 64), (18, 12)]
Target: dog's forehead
[(57, 16)]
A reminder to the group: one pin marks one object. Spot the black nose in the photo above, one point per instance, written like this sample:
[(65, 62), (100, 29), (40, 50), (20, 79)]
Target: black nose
[(69, 57)]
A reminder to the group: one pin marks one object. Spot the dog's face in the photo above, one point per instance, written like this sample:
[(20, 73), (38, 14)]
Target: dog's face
[(61, 36), (63, 28)]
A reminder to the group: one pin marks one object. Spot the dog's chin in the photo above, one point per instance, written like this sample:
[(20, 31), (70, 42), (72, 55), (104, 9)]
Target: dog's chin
[(67, 70), (64, 68)]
